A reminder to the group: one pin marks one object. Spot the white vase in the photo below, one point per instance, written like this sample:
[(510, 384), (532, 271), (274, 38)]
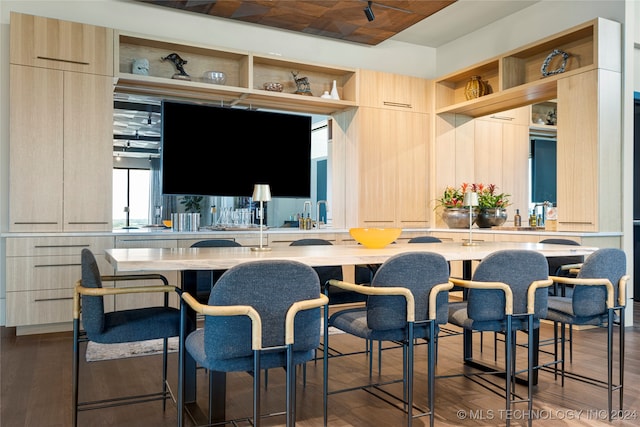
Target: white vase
[(334, 91)]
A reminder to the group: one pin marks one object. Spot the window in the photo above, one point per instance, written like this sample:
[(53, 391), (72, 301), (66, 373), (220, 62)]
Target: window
[(131, 188)]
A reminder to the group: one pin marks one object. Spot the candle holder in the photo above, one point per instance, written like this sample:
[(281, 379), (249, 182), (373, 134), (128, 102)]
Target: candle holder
[(261, 193), (470, 201)]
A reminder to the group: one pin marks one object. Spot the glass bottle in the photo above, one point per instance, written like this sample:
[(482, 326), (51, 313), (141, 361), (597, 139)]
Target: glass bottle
[(517, 219)]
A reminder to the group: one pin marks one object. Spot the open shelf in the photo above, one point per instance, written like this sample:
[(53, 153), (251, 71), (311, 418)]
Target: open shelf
[(516, 79), (245, 73)]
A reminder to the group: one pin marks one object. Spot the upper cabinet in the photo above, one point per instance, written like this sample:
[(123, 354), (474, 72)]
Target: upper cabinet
[(393, 91), (516, 79), (246, 76), (61, 127), (61, 45)]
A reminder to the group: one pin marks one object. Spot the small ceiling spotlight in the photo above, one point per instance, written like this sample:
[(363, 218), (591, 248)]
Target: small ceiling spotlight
[(369, 13)]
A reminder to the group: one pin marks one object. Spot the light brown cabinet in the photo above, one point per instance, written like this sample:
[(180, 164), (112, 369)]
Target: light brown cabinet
[(61, 125), (392, 168), (60, 150), (588, 151), (393, 91), (41, 274), (61, 45)]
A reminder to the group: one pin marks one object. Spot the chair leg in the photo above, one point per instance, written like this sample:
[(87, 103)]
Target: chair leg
[(165, 352), (76, 362), (256, 388), (432, 357), (621, 358), (508, 366)]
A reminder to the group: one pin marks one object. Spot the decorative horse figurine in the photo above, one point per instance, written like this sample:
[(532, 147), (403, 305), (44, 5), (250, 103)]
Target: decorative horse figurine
[(178, 62), (302, 85)]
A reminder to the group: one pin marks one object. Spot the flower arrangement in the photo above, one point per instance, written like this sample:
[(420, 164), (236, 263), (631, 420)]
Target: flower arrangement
[(487, 196), (453, 197)]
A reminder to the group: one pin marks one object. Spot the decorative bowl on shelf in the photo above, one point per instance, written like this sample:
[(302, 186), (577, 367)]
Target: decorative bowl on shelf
[(167, 223), (273, 86), (214, 77), (375, 238)]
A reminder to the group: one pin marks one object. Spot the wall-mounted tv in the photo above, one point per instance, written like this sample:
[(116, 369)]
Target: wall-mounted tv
[(220, 151)]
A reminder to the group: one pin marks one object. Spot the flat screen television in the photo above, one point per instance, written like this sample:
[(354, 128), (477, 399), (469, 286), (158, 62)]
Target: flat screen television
[(220, 151)]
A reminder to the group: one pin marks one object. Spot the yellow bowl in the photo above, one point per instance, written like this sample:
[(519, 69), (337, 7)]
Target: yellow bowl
[(375, 238), (167, 223)]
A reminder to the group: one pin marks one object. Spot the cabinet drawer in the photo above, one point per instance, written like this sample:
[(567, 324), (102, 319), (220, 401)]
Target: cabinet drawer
[(39, 307), (125, 242), (46, 273), (36, 246)]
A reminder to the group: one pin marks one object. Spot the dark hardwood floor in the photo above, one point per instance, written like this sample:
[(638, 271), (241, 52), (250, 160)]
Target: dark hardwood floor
[(36, 387)]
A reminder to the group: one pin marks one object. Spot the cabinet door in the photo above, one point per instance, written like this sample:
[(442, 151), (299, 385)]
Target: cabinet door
[(393, 91), (577, 151), (36, 149), (88, 164), (412, 196), (377, 162), (61, 45), (393, 168)]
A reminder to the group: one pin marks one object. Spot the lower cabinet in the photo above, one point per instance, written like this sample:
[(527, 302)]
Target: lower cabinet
[(41, 273)]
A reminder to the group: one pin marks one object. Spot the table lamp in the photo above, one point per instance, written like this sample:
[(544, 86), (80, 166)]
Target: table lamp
[(261, 193), (470, 201)]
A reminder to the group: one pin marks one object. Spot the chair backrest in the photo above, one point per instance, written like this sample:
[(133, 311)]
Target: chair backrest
[(516, 268), (271, 287), (558, 261), (424, 239), (92, 306), (325, 273), (609, 263), (417, 271), (214, 243)]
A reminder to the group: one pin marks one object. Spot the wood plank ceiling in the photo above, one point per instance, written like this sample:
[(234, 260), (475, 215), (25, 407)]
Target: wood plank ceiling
[(344, 20)]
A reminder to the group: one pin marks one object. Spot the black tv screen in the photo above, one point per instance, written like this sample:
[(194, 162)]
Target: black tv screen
[(220, 151)]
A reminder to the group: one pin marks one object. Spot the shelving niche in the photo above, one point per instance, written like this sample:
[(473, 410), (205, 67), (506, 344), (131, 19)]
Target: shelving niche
[(246, 74), (515, 78)]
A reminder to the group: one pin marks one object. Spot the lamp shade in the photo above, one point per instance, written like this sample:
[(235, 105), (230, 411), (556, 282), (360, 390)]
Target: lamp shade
[(261, 193), (470, 199)]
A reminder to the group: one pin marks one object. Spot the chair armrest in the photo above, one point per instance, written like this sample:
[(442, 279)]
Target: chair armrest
[(129, 277), (571, 267), (434, 294), (531, 293), (471, 284), (622, 290), (229, 310), (100, 292), (377, 290), (298, 306), (589, 282)]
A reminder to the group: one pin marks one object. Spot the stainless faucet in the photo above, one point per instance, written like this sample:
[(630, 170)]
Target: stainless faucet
[(326, 206), (543, 217)]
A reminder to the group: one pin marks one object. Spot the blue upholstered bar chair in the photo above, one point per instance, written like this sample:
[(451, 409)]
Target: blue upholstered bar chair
[(507, 293), (407, 300), (119, 326), (260, 315), (598, 299)]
